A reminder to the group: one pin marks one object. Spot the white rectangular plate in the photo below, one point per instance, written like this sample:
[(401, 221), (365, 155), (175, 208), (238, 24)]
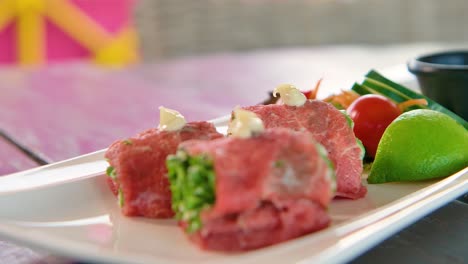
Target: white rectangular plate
[(55, 208), (58, 209)]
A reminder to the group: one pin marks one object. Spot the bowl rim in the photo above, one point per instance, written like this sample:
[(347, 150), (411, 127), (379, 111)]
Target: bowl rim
[(416, 65)]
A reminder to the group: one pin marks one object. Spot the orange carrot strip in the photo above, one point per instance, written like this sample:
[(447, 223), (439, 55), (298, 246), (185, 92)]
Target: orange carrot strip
[(404, 105), (314, 92), (345, 98)]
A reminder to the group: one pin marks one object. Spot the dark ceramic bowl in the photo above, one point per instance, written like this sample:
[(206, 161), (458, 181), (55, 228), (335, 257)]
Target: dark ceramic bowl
[(443, 77)]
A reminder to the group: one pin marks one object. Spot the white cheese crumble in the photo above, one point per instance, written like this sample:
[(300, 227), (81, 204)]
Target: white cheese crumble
[(290, 95), (170, 120), (245, 124)]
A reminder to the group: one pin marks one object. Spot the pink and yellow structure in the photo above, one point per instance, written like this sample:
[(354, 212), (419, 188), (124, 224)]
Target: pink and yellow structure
[(40, 31)]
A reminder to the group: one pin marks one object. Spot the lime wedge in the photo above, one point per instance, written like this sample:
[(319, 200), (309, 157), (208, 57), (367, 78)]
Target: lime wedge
[(418, 145)]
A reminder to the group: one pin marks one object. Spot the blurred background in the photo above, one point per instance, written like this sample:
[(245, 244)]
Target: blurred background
[(173, 28), (164, 29)]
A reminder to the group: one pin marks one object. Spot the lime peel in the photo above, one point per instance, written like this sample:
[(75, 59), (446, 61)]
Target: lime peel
[(419, 145)]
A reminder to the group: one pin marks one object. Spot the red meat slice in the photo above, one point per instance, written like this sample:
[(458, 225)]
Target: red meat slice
[(330, 128), (269, 188), (140, 168), (263, 226)]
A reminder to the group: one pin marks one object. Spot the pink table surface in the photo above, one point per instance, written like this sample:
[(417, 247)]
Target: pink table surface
[(67, 110), (70, 109), (13, 160)]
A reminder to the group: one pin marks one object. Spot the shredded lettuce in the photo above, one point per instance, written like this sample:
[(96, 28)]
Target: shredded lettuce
[(361, 146), (120, 198), (358, 141), (127, 142), (110, 171), (348, 119), (192, 183), (331, 168), (279, 163)]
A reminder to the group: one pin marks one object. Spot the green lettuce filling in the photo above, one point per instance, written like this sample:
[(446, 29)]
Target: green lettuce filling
[(127, 142), (351, 125), (331, 168), (192, 183), (110, 171), (120, 197)]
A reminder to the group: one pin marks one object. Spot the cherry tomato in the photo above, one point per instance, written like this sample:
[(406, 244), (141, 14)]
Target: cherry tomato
[(371, 115)]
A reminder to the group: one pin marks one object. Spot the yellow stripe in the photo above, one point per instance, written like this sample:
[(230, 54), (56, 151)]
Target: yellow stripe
[(7, 12), (30, 30), (77, 25), (121, 50)]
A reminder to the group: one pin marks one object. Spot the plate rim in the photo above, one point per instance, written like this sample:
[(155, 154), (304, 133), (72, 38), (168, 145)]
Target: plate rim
[(384, 221)]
